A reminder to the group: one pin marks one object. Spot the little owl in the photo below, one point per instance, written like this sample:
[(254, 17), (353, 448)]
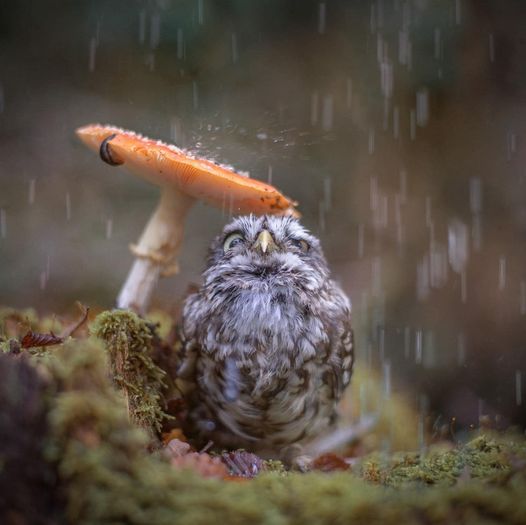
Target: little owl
[(267, 340)]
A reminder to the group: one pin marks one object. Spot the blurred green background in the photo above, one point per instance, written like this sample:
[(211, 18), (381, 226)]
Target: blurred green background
[(399, 126)]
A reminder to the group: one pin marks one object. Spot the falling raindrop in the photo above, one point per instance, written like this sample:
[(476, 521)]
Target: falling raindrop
[(327, 113), (518, 387), (363, 400), (422, 107), (412, 124), (3, 223), (361, 239), (438, 44), (31, 193), (429, 221), (142, 26), (476, 232), (314, 108), (438, 269), (406, 14), (409, 56), (200, 12), (373, 192), (407, 342), (376, 276), (327, 193), (68, 206), (155, 30), (386, 78), (379, 48), (348, 98), (502, 273), (511, 143), (418, 347), (429, 353), (322, 18), (398, 220), (461, 349), (458, 245), (463, 286), (396, 123), (458, 12), (180, 43), (176, 131), (43, 280), (381, 344), (480, 408), (475, 195), (150, 61), (403, 186), (423, 410), (109, 228), (403, 47), (491, 47), (380, 212), (371, 141), (92, 54), (234, 48), (48, 267), (387, 379), (380, 15), (422, 279), (522, 292)]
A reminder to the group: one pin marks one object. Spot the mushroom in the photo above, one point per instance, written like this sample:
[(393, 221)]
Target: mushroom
[(183, 179)]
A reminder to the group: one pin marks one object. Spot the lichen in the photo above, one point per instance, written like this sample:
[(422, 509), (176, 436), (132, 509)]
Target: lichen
[(128, 340)]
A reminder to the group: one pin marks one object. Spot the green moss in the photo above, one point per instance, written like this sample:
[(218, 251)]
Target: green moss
[(485, 457), (108, 476), (128, 340), (14, 322)]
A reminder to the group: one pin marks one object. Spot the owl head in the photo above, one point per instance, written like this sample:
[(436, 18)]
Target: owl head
[(261, 253)]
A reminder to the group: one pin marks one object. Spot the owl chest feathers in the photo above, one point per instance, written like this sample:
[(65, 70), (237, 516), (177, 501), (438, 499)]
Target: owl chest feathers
[(261, 369)]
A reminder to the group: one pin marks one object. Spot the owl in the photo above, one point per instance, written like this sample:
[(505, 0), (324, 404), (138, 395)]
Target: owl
[(267, 339)]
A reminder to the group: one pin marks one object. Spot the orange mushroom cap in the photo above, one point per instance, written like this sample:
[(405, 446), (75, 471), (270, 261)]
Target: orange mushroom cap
[(167, 165)]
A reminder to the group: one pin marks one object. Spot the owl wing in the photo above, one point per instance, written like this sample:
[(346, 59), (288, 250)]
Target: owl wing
[(189, 347), (340, 358)]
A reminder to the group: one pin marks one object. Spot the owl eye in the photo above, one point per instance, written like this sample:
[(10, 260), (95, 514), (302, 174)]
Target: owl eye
[(234, 239), (300, 244)]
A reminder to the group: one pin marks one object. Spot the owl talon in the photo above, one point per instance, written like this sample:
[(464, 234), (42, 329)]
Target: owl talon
[(295, 458), (302, 463)]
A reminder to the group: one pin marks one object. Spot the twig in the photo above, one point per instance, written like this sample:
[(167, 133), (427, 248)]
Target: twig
[(34, 339)]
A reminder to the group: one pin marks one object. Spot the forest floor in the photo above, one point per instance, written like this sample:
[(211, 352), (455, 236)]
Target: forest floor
[(88, 435)]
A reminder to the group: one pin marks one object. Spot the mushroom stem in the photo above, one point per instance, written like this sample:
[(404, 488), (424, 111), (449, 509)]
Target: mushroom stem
[(156, 250)]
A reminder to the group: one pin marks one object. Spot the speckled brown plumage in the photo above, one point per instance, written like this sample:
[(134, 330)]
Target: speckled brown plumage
[(267, 339)]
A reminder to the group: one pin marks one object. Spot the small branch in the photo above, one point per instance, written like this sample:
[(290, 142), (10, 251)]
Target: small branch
[(36, 339), (69, 331)]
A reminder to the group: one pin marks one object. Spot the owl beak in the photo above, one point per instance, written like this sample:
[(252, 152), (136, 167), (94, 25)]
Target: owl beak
[(265, 242)]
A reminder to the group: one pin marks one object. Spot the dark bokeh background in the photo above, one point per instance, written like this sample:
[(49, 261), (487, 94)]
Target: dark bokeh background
[(400, 126)]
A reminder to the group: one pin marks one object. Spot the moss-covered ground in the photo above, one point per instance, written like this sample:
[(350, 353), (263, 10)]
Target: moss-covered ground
[(76, 436)]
